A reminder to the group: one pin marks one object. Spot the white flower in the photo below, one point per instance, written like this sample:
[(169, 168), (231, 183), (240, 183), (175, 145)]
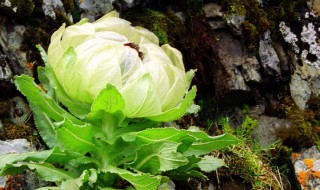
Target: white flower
[(85, 57)]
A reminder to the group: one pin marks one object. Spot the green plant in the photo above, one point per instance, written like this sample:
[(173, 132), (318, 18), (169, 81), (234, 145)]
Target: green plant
[(108, 136), (247, 158)]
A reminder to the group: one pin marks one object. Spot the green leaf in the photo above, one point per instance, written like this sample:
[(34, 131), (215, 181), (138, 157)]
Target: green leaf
[(206, 144), (192, 164), (73, 137), (43, 54), (129, 125), (26, 157), (178, 112), (109, 100), (156, 135), (152, 135), (45, 126), (87, 177), (77, 108), (209, 164), (140, 181), (45, 82), (45, 171), (39, 99), (158, 157)]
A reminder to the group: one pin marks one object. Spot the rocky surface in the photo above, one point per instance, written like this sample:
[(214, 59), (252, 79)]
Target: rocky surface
[(264, 55), (307, 168)]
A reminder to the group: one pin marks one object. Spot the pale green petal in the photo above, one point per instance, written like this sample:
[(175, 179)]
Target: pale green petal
[(119, 26), (140, 98), (105, 17), (76, 34), (175, 56), (99, 64), (179, 111), (160, 77), (104, 68), (148, 35), (130, 65), (82, 21), (177, 91), (55, 50), (155, 62), (190, 74)]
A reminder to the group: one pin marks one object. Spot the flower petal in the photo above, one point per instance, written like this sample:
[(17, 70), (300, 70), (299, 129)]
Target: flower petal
[(140, 98)]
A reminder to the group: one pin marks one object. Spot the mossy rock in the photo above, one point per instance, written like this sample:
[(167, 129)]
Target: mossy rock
[(21, 8), (164, 24)]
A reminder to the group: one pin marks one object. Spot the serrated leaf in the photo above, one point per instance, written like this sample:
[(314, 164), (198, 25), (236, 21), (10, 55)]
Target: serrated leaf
[(73, 137), (141, 181), (41, 100), (156, 135), (158, 157), (45, 126), (45, 171), (179, 111), (152, 135), (26, 157), (206, 144), (209, 164), (45, 82)]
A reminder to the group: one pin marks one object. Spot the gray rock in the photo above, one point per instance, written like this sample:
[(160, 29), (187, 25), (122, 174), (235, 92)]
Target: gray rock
[(217, 24), (20, 111), (126, 4), (15, 146), (5, 71), (92, 9), (167, 186), (264, 133), (250, 70), (50, 6), (14, 7), (304, 82), (11, 43), (18, 146), (235, 21), (268, 56), (307, 168), (283, 57), (212, 10), (300, 90), (232, 56)]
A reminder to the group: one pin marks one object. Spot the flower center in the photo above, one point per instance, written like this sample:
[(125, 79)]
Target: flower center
[(135, 47)]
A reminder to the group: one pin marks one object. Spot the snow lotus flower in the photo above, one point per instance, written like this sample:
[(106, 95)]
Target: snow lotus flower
[(151, 79)]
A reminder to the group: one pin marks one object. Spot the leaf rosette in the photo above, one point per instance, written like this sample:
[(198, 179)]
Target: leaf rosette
[(118, 85)]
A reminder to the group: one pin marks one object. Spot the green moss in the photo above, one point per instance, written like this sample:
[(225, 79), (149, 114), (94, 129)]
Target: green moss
[(256, 20), (248, 159), (13, 131), (305, 126), (251, 35), (68, 5), (24, 7), (161, 23)]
